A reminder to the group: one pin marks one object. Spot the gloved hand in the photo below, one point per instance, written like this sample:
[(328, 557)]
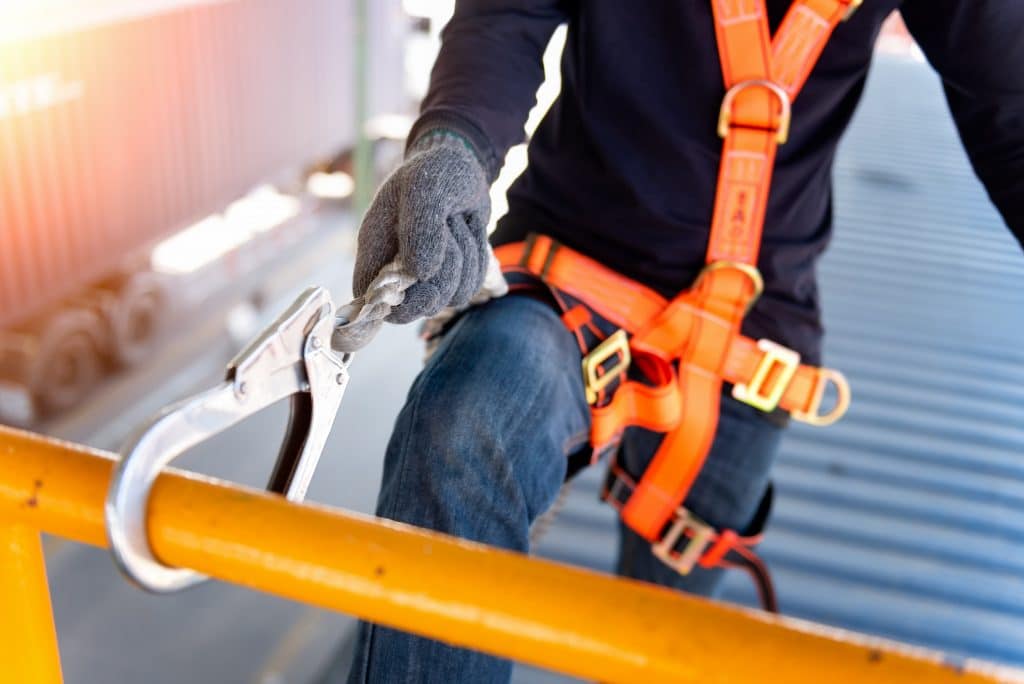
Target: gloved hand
[(431, 217)]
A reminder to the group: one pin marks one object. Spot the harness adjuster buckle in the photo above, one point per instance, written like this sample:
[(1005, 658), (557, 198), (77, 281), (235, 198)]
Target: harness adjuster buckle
[(596, 376), (549, 257), (785, 115), (765, 390), (700, 533)]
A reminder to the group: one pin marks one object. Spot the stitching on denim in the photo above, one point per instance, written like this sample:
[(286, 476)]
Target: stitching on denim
[(371, 633), (574, 442)]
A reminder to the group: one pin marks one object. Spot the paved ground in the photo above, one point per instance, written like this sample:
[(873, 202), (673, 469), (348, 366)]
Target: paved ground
[(904, 521)]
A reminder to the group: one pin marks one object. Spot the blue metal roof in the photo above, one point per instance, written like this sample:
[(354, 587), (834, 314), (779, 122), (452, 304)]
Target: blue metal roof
[(906, 519)]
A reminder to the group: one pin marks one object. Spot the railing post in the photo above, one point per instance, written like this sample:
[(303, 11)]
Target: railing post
[(28, 638)]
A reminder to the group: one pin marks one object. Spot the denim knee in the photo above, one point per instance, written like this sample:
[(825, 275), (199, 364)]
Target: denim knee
[(478, 449)]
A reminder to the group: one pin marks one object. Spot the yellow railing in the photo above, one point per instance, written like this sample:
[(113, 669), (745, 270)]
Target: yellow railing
[(566, 619)]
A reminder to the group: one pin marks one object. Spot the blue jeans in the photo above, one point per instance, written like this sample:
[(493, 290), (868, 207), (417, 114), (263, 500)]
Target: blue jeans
[(479, 451)]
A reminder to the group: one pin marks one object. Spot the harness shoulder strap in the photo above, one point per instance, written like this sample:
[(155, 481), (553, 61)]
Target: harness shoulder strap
[(762, 77)]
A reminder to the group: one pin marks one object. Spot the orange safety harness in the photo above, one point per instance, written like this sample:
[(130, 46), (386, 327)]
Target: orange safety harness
[(682, 350)]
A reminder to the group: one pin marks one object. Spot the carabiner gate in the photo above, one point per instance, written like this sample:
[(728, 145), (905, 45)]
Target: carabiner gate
[(291, 357)]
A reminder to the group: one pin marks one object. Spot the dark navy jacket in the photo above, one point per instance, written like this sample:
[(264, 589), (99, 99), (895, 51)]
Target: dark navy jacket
[(624, 165)]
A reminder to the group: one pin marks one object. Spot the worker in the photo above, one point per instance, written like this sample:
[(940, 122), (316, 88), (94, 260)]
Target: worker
[(631, 215)]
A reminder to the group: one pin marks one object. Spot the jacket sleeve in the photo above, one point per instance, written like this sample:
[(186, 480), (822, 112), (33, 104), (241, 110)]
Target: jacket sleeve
[(486, 76), (976, 47)]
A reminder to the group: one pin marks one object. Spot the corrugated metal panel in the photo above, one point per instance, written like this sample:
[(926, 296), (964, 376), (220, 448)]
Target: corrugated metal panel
[(114, 136), (907, 518)]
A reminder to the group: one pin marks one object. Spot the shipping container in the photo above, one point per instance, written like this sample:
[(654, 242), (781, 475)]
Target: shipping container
[(123, 122)]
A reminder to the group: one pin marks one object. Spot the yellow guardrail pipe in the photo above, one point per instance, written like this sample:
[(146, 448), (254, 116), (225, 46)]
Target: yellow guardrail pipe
[(566, 619), (28, 641)]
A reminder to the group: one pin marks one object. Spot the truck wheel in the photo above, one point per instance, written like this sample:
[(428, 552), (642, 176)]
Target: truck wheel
[(68, 362), (134, 318)]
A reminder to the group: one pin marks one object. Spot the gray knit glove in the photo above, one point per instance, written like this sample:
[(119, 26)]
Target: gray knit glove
[(430, 217)]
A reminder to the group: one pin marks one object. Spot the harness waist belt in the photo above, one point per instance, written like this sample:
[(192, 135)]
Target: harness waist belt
[(760, 368)]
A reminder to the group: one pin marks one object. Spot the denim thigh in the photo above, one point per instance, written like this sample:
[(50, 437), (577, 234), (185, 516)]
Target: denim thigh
[(479, 451)]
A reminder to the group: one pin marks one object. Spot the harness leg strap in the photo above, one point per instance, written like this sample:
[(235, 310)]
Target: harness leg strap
[(687, 541), (679, 459)]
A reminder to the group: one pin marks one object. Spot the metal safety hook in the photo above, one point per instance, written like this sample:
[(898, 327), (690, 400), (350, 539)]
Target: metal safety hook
[(292, 357)]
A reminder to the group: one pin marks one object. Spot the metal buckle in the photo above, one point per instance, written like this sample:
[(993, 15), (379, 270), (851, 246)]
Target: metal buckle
[(528, 247), (812, 415), (612, 492), (753, 392), (852, 9), (701, 534), (616, 344), (528, 244), (746, 269), (291, 357), (785, 116)]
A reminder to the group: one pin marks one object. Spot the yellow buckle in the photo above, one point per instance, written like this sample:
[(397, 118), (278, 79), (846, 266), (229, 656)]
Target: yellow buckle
[(616, 344), (754, 392), (702, 535), (528, 247), (852, 8), (725, 115), (812, 416)]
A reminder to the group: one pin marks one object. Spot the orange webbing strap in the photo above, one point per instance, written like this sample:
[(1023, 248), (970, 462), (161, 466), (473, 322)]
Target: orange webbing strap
[(624, 302), (801, 38), (678, 460), (762, 78), (680, 457), (753, 121)]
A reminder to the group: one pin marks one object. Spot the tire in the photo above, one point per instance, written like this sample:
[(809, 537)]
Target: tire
[(69, 360), (134, 318)]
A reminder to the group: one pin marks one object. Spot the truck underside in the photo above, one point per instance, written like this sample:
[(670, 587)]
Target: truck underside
[(122, 124)]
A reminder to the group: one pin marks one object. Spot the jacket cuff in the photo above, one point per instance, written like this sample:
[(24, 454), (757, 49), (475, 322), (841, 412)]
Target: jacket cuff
[(463, 129)]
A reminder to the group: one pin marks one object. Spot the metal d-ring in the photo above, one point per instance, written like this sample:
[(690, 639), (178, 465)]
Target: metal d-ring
[(291, 357), (785, 104)]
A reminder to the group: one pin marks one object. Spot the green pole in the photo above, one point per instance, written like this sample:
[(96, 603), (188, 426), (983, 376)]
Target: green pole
[(363, 161)]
